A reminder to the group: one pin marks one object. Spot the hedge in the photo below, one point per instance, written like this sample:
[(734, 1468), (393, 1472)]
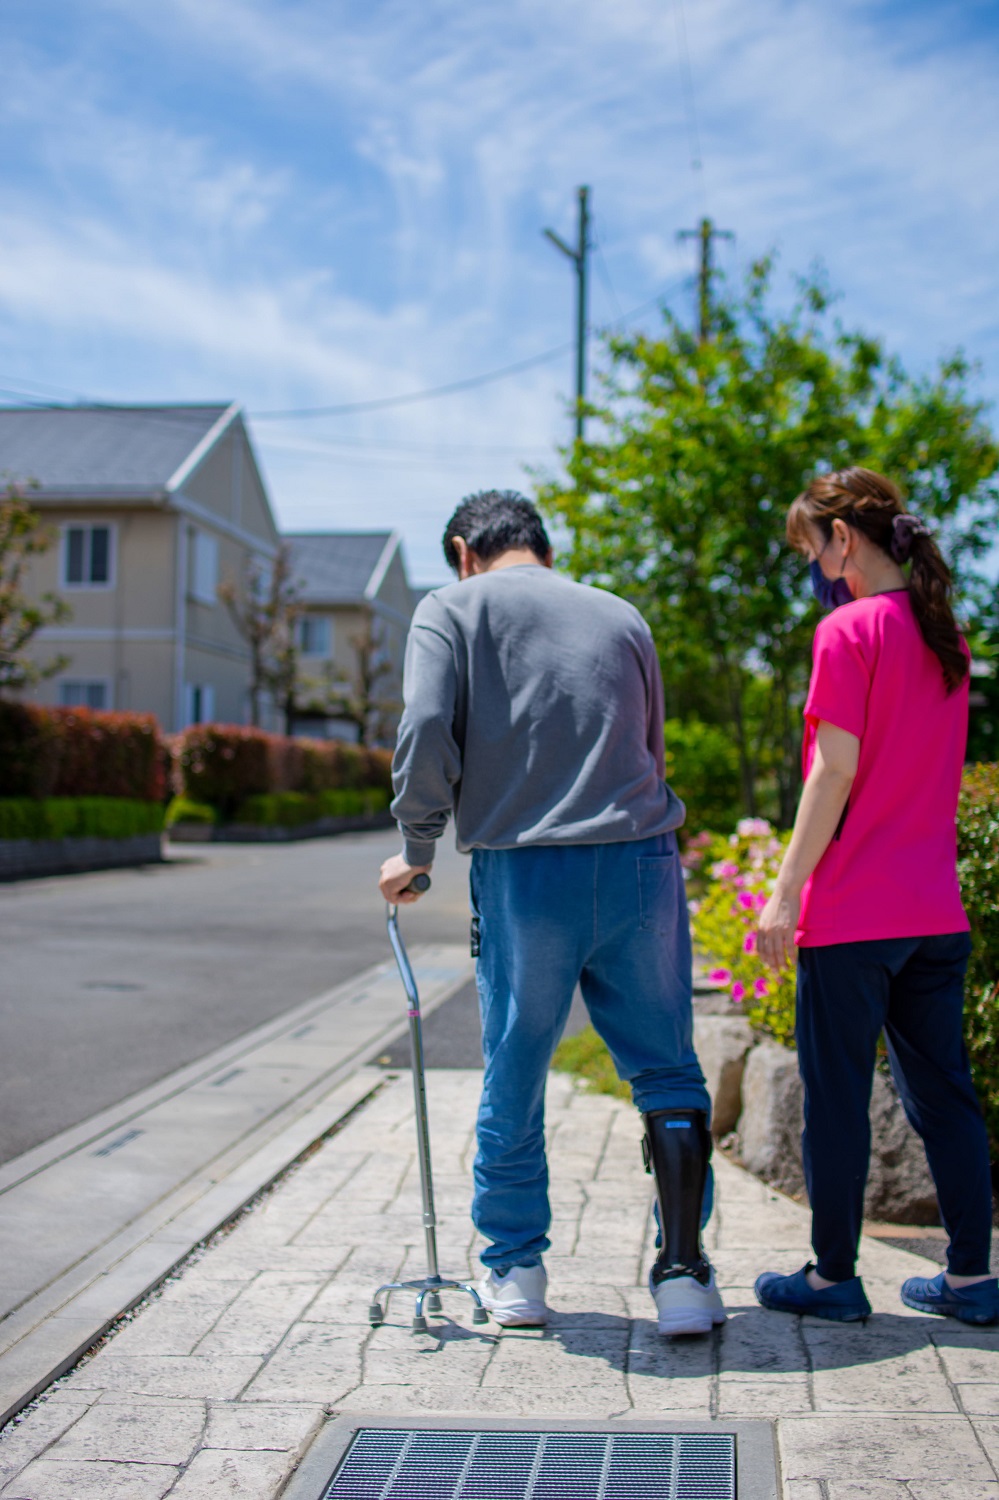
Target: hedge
[(183, 810), (294, 809), (978, 868), (228, 766), (76, 752), (78, 817)]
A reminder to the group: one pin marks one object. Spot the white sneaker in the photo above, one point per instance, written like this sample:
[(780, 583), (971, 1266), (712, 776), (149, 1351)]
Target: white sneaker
[(516, 1300), (685, 1306)]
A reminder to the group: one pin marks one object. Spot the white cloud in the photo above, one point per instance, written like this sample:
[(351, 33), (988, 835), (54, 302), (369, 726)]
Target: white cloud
[(366, 219)]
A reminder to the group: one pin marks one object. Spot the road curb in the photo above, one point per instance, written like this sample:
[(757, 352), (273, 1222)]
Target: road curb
[(45, 1333)]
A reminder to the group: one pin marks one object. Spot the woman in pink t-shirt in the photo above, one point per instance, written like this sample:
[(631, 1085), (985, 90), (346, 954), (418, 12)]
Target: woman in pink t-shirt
[(868, 893)]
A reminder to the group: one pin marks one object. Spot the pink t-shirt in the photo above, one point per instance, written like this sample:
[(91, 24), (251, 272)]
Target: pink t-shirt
[(891, 869)]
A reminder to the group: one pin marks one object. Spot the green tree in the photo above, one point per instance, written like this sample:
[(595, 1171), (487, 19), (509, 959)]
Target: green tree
[(22, 537), (679, 504)]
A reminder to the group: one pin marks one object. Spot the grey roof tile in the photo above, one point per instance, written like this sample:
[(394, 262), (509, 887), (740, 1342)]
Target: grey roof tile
[(114, 450), (334, 567)]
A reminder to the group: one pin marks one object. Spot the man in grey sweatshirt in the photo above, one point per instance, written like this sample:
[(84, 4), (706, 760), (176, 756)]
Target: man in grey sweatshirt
[(534, 715)]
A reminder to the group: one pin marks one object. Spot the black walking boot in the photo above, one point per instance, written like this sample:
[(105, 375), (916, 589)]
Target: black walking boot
[(677, 1148)]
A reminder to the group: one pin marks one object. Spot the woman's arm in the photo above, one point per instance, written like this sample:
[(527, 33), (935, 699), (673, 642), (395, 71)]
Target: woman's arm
[(823, 799)]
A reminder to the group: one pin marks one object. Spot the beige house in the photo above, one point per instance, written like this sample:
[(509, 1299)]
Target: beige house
[(153, 507), (356, 608)]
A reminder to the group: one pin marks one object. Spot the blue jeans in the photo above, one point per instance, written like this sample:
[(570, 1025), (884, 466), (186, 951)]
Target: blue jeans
[(612, 918), (914, 989)]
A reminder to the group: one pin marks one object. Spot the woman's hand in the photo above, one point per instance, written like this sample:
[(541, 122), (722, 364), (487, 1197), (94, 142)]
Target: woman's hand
[(777, 926)]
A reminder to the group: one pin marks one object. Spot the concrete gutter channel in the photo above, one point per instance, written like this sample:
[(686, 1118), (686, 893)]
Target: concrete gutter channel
[(94, 1219)]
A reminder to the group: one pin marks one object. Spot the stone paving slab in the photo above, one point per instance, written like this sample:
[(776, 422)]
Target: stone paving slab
[(170, 1164), (218, 1385)]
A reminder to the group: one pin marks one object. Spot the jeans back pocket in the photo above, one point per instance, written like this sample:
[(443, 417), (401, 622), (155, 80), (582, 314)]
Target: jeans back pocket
[(657, 892)]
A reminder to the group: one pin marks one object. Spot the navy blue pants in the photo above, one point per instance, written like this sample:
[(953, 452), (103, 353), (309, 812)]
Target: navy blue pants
[(913, 989)]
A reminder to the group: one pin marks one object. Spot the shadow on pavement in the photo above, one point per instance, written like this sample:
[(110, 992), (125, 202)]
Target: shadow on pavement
[(752, 1341)]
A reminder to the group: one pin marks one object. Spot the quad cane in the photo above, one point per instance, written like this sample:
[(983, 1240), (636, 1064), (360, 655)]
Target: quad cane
[(429, 1287)]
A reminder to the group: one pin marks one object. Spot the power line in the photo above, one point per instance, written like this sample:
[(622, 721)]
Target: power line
[(162, 414), (687, 87), (605, 274), (427, 395)]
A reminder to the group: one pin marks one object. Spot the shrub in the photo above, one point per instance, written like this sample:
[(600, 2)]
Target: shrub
[(379, 769), (745, 866), (741, 871), (232, 769), (223, 764), (184, 810), (702, 764), (78, 817), (587, 1057), (28, 750), (75, 752), (294, 809), (978, 868), (109, 755)]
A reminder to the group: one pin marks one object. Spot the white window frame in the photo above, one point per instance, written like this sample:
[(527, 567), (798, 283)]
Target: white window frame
[(88, 528), (86, 682), (204, 545), (326, 654)]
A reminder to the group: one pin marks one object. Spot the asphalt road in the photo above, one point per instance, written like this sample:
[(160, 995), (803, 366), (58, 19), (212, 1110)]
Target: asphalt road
[(112, 980)]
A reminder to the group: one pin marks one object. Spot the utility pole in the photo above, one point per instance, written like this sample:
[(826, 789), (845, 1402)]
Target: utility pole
[(578, 257), (705, 232)]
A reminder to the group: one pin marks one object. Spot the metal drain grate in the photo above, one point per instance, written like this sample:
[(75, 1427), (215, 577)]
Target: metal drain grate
[(398, 1464)]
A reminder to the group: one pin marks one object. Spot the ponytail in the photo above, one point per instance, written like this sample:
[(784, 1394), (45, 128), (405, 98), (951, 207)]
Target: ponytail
[(873, 505), (930, 591)]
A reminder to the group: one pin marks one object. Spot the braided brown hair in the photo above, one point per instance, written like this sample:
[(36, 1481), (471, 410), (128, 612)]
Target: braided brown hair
[(873, 505)]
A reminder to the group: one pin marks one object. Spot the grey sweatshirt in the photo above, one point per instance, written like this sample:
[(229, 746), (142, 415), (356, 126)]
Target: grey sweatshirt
[(534, 712)]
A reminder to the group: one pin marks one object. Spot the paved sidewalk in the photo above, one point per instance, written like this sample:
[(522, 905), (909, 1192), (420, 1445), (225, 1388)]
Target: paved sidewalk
[(216, 1387), (95, 1217)]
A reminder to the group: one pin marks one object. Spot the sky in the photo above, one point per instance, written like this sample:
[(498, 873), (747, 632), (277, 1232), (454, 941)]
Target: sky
[(294, 205)]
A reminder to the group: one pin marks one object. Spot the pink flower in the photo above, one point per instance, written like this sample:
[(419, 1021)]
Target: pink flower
[(749, 944), (761, 900), (761, 989), (747, 900), (738, 991), (739, 882), (748, 828), (721, 977)]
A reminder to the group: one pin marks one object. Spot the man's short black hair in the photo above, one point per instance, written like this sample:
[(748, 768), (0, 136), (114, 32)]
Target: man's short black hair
[(495, 521)]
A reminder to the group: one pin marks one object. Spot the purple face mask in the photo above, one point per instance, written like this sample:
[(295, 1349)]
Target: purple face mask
[(830, 592)]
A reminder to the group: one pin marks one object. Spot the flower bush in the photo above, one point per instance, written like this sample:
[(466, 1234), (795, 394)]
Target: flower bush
[(736, 875), (978, 869)]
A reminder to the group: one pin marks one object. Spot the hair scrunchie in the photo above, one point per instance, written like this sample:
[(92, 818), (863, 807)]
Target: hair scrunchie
[(904, 529)]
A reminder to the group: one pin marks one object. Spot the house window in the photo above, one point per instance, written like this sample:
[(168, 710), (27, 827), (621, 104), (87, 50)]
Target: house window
[(87, 561), (78, 694), (315, 635), (200, 703), (204, 568)]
